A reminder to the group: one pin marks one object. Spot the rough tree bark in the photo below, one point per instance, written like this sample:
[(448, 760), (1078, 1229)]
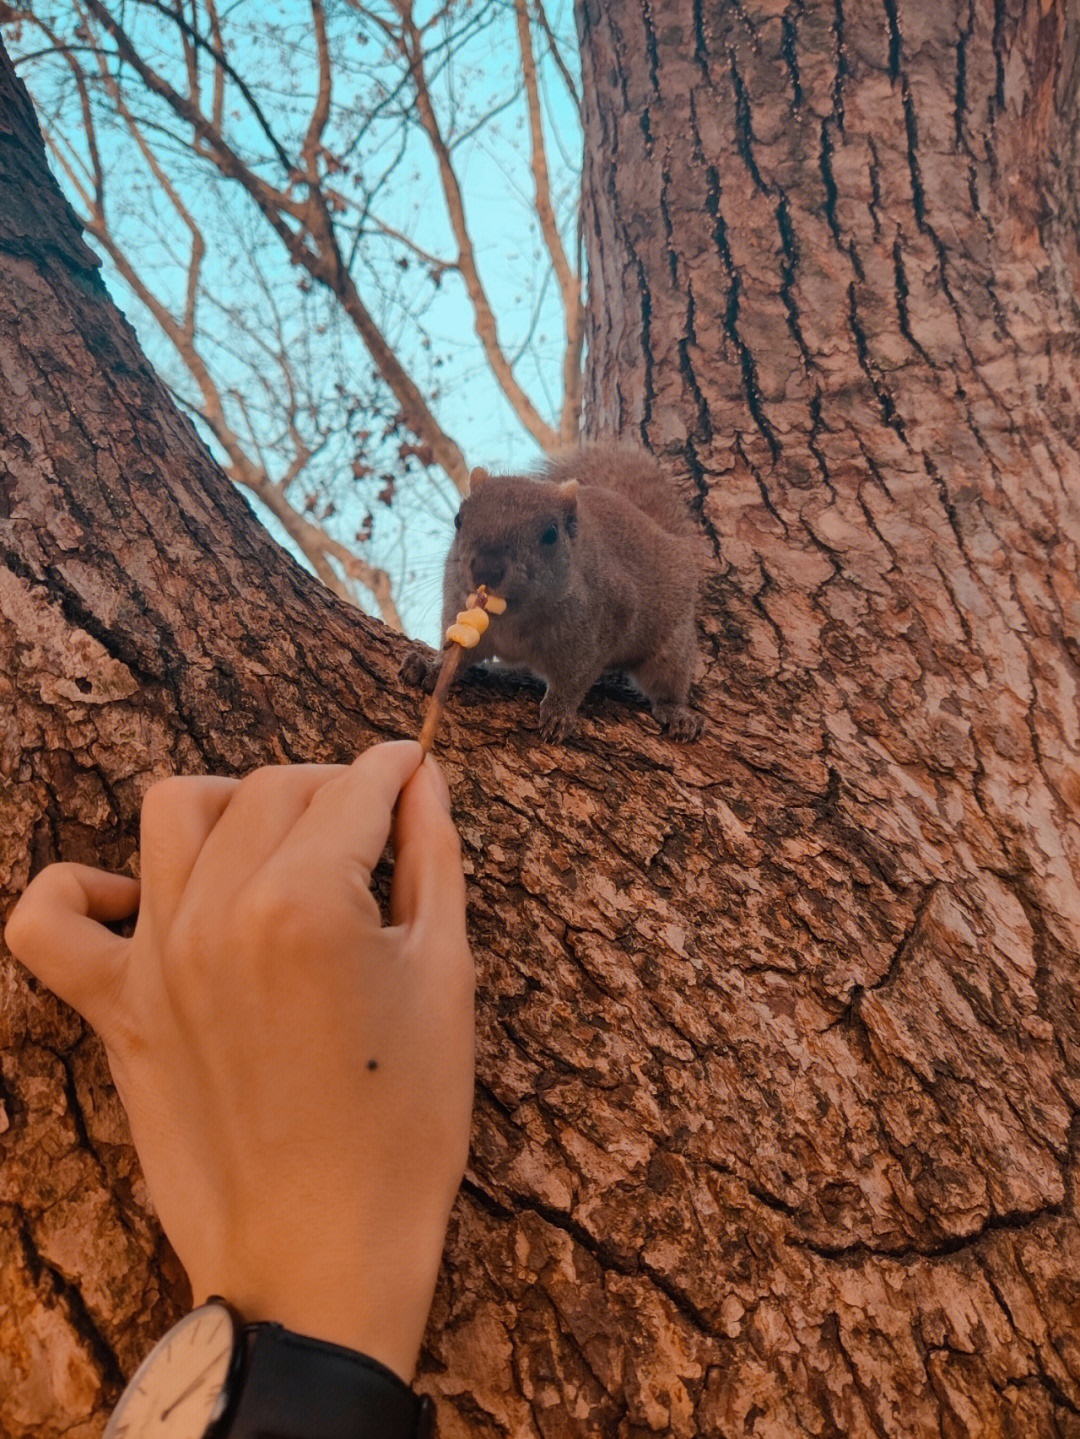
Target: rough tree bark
[(779, 1046)]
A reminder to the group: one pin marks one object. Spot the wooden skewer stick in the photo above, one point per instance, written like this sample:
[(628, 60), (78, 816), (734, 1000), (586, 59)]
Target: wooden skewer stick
[(437, 703), (452, 653)]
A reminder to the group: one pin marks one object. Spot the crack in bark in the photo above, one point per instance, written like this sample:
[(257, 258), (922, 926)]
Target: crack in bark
[(895, 566), (835, 1332), (1042, 1378), (672, 249), (643, 121), (832, 196), (789, 248), (744, 129), (757, 601), (1032, 713), (818, 427), (662, 1020), (998, 43), (887, 405), (960, 89), (78, 1316), (747, 365), (873, 469), (789, 49), (116, 644), (651, 47), (701, 42), (702, 430), (649, 394), (876, 200), (850, 1012), (929, 1086), (606, 1257), (902, 292), (701, 485), (763, 489), (893, 23), (922, 221), (829, 181), (911, 130), (1016, 1221), (834, 557)]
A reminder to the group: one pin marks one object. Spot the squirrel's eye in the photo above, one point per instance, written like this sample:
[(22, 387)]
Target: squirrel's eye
[(457, 520), (550, 535)]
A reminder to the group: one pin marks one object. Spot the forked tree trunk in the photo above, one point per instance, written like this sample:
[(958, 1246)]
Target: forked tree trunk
[(778, 1033)]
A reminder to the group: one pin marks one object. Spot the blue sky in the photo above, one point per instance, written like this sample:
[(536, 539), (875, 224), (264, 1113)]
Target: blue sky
[(250, 290)]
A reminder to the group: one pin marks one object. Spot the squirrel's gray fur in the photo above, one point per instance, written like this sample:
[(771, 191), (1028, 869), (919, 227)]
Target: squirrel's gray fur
[(598, 561)]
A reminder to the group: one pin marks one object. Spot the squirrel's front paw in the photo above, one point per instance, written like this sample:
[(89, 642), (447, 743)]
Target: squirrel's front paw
[(556, 721), (416, 670), (681, 722)]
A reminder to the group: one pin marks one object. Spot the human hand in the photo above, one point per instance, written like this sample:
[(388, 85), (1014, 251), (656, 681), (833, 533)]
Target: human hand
[(298, 1077)]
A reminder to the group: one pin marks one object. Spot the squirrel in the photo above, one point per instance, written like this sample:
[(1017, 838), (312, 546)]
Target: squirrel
[(597, 559)]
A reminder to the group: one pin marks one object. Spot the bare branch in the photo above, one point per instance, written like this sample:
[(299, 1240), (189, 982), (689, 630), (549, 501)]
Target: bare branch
[(323, 263), (197, 41), (321, 113), (319, 547), (410, 45), (436, 262), (569, 282), (555, 51), (198, 242), (218, 109), (312, 541), (57, 46)]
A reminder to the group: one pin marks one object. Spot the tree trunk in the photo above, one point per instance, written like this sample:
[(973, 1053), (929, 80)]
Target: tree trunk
[(833, 257), (779, 1046)]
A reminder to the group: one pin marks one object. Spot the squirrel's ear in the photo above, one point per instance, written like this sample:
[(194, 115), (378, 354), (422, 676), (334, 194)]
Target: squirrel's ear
[(568, 492), (477, 478)]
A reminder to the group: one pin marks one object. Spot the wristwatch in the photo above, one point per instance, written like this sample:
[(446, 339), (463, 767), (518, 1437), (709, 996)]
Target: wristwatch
[(212, 1377)]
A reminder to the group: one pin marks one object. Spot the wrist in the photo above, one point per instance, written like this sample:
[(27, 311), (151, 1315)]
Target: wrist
[(390, 1335), (293, 1386), (212, 1377), (378, 1306)]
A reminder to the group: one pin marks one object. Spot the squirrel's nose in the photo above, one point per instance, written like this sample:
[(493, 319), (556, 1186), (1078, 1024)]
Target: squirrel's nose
[(489, 568)]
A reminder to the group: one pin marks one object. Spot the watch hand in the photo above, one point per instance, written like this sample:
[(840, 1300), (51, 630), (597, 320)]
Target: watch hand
[(195, 1384)]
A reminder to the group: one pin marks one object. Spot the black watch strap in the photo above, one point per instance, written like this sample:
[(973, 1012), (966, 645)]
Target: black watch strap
[(293, 1387)]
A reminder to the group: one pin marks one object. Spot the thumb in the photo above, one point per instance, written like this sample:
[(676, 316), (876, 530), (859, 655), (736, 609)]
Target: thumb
[(428, 889), (57, 930)]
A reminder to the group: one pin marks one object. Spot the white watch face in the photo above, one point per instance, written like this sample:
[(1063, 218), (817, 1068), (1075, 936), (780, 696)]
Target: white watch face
[(179, 1388)]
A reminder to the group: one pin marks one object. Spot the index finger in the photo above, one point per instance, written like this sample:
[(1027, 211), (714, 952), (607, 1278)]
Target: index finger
[(346, 824), (178, 816)]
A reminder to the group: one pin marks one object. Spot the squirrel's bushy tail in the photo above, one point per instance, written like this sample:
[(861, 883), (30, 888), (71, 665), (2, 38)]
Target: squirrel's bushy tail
[(632, 473)]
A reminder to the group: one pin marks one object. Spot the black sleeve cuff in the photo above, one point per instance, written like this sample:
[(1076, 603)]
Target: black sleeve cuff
[(293, 1387)]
